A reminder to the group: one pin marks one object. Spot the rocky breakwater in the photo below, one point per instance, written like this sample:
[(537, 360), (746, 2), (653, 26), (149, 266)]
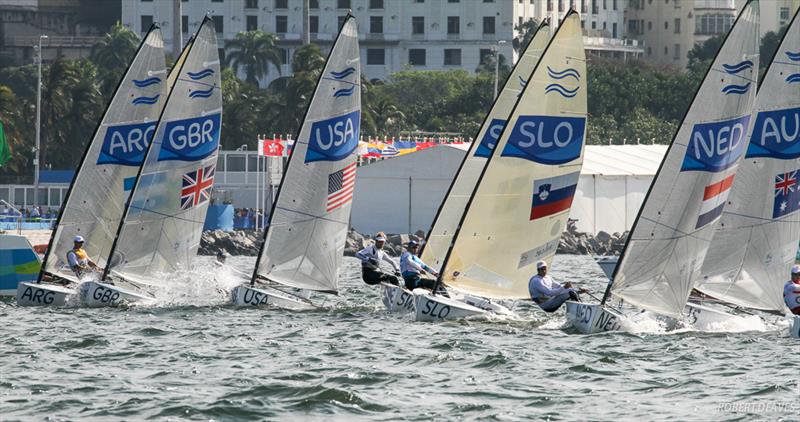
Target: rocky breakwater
[(574, 242), (237, 242)]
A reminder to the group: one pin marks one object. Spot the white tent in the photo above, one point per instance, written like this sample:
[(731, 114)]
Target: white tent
[(611, 188)]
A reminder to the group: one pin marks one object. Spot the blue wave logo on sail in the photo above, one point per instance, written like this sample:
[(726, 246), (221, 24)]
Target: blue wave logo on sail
[(561, 90), (736, 89), (333, 139), (126, 145), (343, 74), (146, 82), (716, 146), (561, 74), (191, 139), (793, 78), (776, 134), (344, 92), (201, 93), (546, 139), (522, 82), (733, 69), (145, 100), (490, 137), (795, 57), (196, 76)]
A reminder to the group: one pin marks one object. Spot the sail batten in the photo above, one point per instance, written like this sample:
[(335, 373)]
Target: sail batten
[(305, 237), (674, 228)]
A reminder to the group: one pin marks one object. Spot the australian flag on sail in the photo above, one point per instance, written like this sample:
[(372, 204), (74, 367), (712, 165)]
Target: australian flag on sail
[(787, 194), (341, 185), (553, 195), (197, 185), (714, 197)]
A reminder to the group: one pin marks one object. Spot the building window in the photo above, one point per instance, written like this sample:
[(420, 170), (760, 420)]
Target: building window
[(677, 26), (784, 14), (185, 24), (281, 4), (284, 56), (419, 1), (488, 24), (376, 4), (713, 24), (560, 5), (218, 23), (649, 25), (614, 4), (594, 25), (416, 56), (340, 21), (221, 53), (484, 55), (417, 24), (666, 50), (251, 4), (146, 23), (342, 4), (216, 1), (313, 24), (676, 52), (454, 1), (594, 7), (649, 51), (605, 5), (666, 25), (614, 30), (453, 25), (376, 56), (549, 5), (252, 22), (376, 24), (281, 24), (313, 4), (584, 6), (452, 57)]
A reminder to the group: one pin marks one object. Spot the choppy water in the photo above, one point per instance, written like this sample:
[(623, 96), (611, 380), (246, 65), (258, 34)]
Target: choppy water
[(176, 361)]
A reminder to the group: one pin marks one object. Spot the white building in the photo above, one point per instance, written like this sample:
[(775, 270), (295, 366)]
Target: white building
[(395, 34)]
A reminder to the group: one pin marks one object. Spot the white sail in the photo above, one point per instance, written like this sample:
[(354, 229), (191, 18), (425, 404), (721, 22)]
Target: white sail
[(308, 226), (96, 199), (672, 233), (522, 200), (755, 243), (162, 227), (452, 209)]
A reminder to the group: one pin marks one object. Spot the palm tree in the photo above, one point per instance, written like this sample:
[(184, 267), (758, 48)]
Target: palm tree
[(308, 58), (112, 55), (254, 52), (488, 66)]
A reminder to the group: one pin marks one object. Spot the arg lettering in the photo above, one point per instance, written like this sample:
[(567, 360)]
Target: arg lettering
[(333, 139), (38, 296), (190, 139), (716, 146), (126, 145), (546, 139)]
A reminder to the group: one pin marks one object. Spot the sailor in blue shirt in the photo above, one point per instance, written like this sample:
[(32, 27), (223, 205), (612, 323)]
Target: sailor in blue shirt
[(548, 294), (412, 268)]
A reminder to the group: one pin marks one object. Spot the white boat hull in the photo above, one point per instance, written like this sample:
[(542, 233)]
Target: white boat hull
[(702, 317), (607, 264), (41, 294), (439, 308), (396, 298), (245, 295), (795, 328), (95, 294), (592, 318)]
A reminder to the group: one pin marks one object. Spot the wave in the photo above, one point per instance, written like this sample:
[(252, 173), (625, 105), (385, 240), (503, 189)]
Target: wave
[(795, 77), (344, 92), (738, 67), (196, 76), (563, 91), (556, 74), (145, 100), (146, 82), (736, 89), (344, 73), (522, 82), (201, 93), (795, 57)]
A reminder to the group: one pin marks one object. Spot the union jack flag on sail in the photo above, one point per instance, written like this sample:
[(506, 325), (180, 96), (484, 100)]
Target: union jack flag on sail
[(787, 195), (197, 186), (341, 185)]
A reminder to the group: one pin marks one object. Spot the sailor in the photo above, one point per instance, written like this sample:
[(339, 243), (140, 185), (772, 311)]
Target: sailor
[(548, 294), (791, 291), (77, 258), (371, 257), (412, 268)]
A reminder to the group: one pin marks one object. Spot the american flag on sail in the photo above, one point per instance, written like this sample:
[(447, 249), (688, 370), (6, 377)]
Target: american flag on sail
[(787, 194), (197, 186), (341, 185), (714, 197)]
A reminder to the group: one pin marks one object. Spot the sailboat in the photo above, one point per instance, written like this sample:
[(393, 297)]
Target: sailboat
[(95, 201), (305, 237), (755, 242), (162, 224), (451, 210), (519, 206), (671, 236)]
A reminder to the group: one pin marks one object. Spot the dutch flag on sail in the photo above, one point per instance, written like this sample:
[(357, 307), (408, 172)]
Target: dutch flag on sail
[(553, 195), (714, 197)]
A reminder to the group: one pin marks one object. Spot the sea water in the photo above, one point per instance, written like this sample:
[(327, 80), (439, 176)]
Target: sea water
[(190, 356)]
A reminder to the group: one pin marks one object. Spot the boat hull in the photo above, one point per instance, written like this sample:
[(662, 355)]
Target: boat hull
[(42, 294), (438, 308), (95, 294), (795, 328), (702, 317), (396, 298), (245, 295), (607, 264), (592, 318)]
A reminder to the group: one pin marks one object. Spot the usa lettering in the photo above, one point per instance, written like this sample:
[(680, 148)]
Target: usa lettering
[(333, 139), (191, 135), (254, 298), (337, 134)]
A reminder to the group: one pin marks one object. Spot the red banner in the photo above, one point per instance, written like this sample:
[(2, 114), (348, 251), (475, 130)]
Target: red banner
[(270, 147)]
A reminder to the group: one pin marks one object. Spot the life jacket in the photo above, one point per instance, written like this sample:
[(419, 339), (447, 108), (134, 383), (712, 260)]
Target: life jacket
[(81, 255)]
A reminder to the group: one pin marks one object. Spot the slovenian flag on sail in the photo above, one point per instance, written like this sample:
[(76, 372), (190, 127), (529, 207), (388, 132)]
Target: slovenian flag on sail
[(714, 197), (787, 194), (553, 195)]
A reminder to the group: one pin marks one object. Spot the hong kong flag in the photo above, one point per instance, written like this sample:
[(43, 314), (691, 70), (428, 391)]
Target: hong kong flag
[(270, 147)]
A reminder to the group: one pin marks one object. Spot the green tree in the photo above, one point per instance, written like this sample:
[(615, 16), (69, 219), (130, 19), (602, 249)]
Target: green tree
[(487, 66), (701, 55), (526, 32), (112, 55), (254, 52), (769, 45)]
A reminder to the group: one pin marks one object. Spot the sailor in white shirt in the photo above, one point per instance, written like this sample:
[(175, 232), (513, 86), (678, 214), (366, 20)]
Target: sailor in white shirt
[(791, 291), (548, 294), (371, 257)]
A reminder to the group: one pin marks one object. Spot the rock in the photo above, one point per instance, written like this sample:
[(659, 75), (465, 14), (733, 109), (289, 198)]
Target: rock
[(603, 236)]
